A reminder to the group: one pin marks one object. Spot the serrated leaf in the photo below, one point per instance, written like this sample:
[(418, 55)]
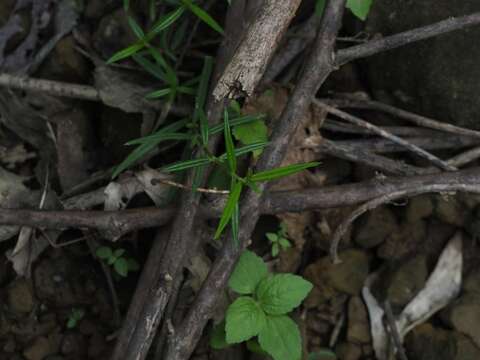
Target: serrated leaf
[(281, 293), (280, 338), (203, 15), (281, 171), (218, 336), (245, 319), (232, 201), (104, 252), (359, 8), (252, 132), (248, 273), (272, 237), (121, 267)]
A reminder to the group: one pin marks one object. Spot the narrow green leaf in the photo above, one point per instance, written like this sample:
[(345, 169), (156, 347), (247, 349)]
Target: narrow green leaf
[(245, 149), (281, 293), (104, 252), (160, 137), (188, 164), (169, 130), (203, 126), (229, 208), (170, 74), (244, 320), (248, 273), (203, 87), (158, 93), (186, 90), (136, 28), (235, 225), (281, 338), (125, 53), (203, 15), (133, 157), (319, 7), (165, 21), (281, 172), (235, 122), (126, 5), (152, 68), (121, 267), (359, 8), (231, 159)]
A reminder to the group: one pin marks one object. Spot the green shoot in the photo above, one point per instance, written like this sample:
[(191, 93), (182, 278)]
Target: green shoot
[(121, 264), (74, 318)]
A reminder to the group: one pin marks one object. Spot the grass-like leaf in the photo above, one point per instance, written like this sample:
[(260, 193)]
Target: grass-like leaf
[(204, 129), (137, 29), (246, 149), (163, 136), (149, 66), (133, 157), (125, 53), (281, 172), (165, 21), (159, 93), (235, 224), (231, 158), (229, 209), (184, 165), (235, 122), (203, 15), (169, 129)]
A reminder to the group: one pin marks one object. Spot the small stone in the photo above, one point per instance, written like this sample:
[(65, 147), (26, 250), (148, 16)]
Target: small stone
[(406, 280), (464, 316), (376, 227), (358, 331), (20, 296), (38, 350), (407, 239), (73, 344), (450, 210), (427, 343), (466, 349), (419, 207), (348, 351)]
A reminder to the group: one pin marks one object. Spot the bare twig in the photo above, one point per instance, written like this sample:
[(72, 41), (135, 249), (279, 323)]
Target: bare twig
[(255, 50), (406, 193), (405, 115), (465, 157), (188, 188), (357, 121), (407, 37)]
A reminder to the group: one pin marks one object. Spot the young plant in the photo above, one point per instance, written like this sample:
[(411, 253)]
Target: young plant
[(117, 260), (75, 316), (261, 310), (279, 240)]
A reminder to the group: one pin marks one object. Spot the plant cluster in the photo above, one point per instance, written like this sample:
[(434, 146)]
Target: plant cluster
[(261, 310), (117, 260), (75, 316), (279, 240)]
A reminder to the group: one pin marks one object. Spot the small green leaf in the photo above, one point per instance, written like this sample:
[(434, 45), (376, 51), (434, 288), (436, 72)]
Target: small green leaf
[(71, 323), (121, 267), (248, 273), (275, 249), (281, 172), (255, 131), (203, 15), (104, 252), (218, 337), (244, 320), (125, 53), (165, 21), (280, 337), (111, 260), (229, 208), (359, 8), (137, 30), (232, 160), (281, 293), (284, 243), (272, 237), (118, 252)]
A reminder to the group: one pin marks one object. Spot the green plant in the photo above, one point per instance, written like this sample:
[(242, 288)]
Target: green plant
[(249, 131), (75, 316), (117, 260), (359, 8), (279, 239), (261, 310)]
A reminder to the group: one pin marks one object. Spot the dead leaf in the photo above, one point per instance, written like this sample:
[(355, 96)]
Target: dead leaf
[(441, 288), (15, 155)]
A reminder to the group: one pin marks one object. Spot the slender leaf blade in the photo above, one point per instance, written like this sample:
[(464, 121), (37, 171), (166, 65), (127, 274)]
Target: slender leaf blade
[(281, 172), (231, 158), (125, 53), (232, 201), (203, 15), (165, 21)]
